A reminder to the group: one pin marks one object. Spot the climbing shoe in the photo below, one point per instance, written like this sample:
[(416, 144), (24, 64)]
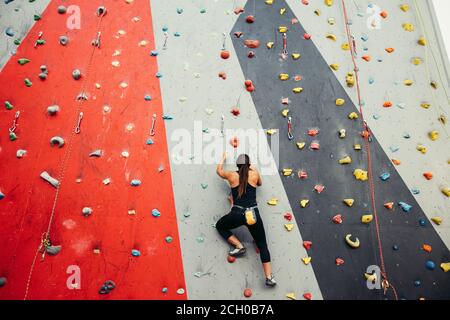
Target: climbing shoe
[(270, 282), (236, 252)]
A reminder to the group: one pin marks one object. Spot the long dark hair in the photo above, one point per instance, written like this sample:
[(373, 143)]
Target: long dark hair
[(243, 164)]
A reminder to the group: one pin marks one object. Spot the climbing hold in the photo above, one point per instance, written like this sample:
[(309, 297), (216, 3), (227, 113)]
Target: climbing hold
[(417, 283), (247, 293), (135, 253), (445, 266), (331, 37), (63, 40), (422, 149), (62, 9), (106, 181), (446, 191), (269, 45), (3, 281), (405, 207), (272, 202), (314, 145), (428, 175), (339, 261), (234, 141), (76, 74), (367, 218), (285, 112), (291, 296), (430, 265), (385, 176), (169, 239), (235, 111), (317, 12), (269, 2), (389, 50), (342, 133), (287, 172), (307, 244), (389, 205), (387, 104), (345, 160), (366, 57), (271, 132), (360, 174), (306, 36), (319, 188), (353, 115), (337, 219), (23, 61), (53, 250), (297, 90), (8, 105), (301, 145), (20, 153), (408, 82), (53, 110), (250, 19), (395, 247), (307, 296), (252, 43), (225, 54), (426, 247), (304, 203), (156, 213), (289, 226), (434, 135), (350, 79), (425, 105), (12, 136), (107, 287), (353, 242), (28, 82), (58, 141), (340, 102), (46, 176), (437, 220), (408, 27), (404, 7), (288, 216), (283, 76), (296, 56), (371, 277), (282, 29), (302, 174), (422, 41), (222, 75), (204, 185), (251, 54), (306, 260), (349, 202), (135, 182), (434, 84), (86, 211), (282, 11)]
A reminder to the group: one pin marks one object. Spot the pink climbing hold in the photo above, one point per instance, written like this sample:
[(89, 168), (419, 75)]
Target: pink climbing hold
[(337, 219), (302, 174), (305, 2), (339, 261), (253, 44)]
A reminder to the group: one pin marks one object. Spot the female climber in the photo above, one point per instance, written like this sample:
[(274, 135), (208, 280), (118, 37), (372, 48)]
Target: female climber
[(244, 211)]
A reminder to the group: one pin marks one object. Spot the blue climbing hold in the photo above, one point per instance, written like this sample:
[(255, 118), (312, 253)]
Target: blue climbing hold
[(405, 207), (2, 195), (394, 148), (385, 176), (430, 265), (395, 247), (158, 75), (167, 117), (177, 34), (422, 222), (154, 53), (9, 32), (135, 253), (364, 37), (156, 213), (165, 28), (148, 98), (417, 283), (135, 182), (415, 191), (164, 290), (149, 142)]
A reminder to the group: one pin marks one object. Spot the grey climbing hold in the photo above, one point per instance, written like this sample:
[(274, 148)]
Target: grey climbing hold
[(57, 141), (135, 253), (97, 153), (53, 110), (43, 75), (101, 11), (135, 182), (53, 250), (9, 32), (154, 53), (20, 153), (62, 9), (63, 40), (156, 213), (180, 291), (76, 74), (2, 195), (86, 211), (3, 281), (46, 176)]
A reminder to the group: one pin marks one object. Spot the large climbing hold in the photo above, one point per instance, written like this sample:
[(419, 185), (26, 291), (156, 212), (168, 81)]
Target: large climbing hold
[(445, 266), (367, 218), (46, 176), (446, 191), (405, 207), (360, 174), (353, 242)]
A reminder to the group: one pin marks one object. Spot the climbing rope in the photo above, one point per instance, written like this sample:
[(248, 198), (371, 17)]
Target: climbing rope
[(366, 135), (45, 239)]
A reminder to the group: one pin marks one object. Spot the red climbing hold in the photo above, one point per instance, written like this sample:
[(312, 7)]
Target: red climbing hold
[(306, 36), (339, 261), (302, 174), (225, 54), (251, 43), (235, 111), (288, 216), (305, 2), (234, 142), (231, 259), (249, 85), (251, 54), (387, 104), (389, 205), (247, 293), (313, 132), (307, 244), (307, 296), (222, 75), (250, 19), (337, 219)]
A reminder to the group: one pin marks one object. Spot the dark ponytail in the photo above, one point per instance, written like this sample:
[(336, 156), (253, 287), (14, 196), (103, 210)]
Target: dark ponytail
[(243, 164)]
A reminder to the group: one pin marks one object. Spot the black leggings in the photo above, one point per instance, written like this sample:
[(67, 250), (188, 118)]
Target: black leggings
[(235, 219)]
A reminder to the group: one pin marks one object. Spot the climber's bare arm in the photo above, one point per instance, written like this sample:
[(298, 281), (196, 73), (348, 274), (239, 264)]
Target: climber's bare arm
[(222, 173)]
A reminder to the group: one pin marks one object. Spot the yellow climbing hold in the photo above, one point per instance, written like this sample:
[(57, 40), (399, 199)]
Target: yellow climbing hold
[(271, 131), (434, 135), (329, 3), (445, 266), (349, 202), (282, 11), (371, 277), (285, 112), (272, 202), (360, 174), (350, 79), (269, 2), (269, 45), (416, 61), (422, 41), (422, 148), (317, 12), (284, 76), (301, 145), (352, 243), (357, 147), (340, 102), (367, 218), (404, 7), (331, 37), (408, 27), (289, 226), (304, 203), (297, 90), (425, 105), (287, 172), (296, 56), (434, 84), (353, 116), (437, 220), (334, 66), (291, 296), (446, 191), (282, 29), (345, 46), (408, 82), (306, 260), (345, 160)]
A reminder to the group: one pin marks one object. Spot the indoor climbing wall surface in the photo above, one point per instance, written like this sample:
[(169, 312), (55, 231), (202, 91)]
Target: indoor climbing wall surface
[(114, 216), (196, 97), (16, 19), (295, 83)]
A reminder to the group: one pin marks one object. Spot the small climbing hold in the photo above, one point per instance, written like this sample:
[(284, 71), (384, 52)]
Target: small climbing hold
[(307, 244), (135, 253), (360, 174), (349, 202), (389, 50), (430, 265), (169, 239), (238, 10), (319, 188), (285, 112), (307, 36), (340, 102), (253, 44), (307, 296), (249, 85), (314, 145), (20, 153), (250, 19), (204, 185), (304, 203), (306, 260), (445, 191), (283, 76), (46, 176), (223, 75), (387, 104), (282, 29), (302, 174), (437, 220), (106, 181), (404, 7), (345, 46), (156, 213), (287, 172), (3, 281), (235, 111), (86, 211), (76, 74), (297, 90), (385, 176), (8, 105), (339, 261), (426, 248), (405, 207), (353, 242), (445, 266), (428, 175), (422, 41), (271, 132), (2, 195), (350, 79), (345, 160), (164, 290), (269, 45), (58, 141), (353, 116), (389, 205), (289, 226), (422, 149), (269, 2), (53, 110), (301, 145), (62, 9), (53, 250), (408, 27), (272, 202), (434, 84), (135, 182), (434, 135), (296, 56), (63, 40), (425, 105), (331, 37), (342, 133), (366, 57), (367, 218), (372, 277), (288, 216), (23, 61), (234, 141), (395, 247), (247, 293), (317, 12), (107, 287), (291, 296), (337, 219), (28, 82), (334, 66), (408, 82)]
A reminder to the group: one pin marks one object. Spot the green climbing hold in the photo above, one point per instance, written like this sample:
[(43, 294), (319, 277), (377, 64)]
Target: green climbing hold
[(40, 42), (12, 136), (204, 185), (203, 10), (28, 82), (17, 42), (8, 105), (23, 61), (169, 239), (37, 17)]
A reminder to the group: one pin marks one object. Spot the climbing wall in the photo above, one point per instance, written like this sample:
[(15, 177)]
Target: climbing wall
[(139, 209), (113, 215)]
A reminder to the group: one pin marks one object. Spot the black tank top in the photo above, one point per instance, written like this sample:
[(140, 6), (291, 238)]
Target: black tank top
[(248, 199)]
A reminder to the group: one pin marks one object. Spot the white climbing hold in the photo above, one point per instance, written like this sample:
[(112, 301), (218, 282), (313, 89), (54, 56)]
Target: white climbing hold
[(46, 176), (20, 153), (58, 141)]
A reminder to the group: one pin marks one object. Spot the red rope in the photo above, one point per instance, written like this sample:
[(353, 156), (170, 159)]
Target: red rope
[(366, 135)]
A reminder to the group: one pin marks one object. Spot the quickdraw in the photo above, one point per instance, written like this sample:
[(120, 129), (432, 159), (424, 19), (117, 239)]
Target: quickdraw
[(224, 41), (39, 39), (222, 125), (14, 126), (152, 129), (78, 127), (354, 46), (165, 40), (96, 41), (284, 53), (289, 123)]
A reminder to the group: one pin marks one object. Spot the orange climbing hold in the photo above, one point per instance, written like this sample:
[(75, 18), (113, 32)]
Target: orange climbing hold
[(396, 162), (428, 175), (389, 50), (252, 43), (387, 104), (426, 247), (234, 142), (389, 205), (250, 19), (225, 54), (383, 14), (366, 58)]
